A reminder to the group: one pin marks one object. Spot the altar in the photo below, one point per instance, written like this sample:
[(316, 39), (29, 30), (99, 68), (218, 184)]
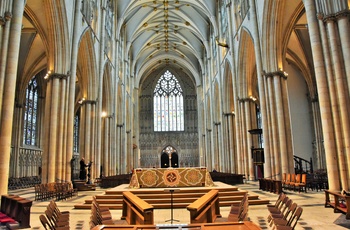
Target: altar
[(170, 177)]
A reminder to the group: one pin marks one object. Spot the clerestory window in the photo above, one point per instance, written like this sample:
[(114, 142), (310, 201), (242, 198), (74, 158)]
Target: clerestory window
[(168, 105)]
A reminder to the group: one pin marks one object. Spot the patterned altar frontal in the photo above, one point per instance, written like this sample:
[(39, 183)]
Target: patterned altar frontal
[(170, 177)]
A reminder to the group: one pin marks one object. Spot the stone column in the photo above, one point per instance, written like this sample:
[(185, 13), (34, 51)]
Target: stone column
[(8, 96), (341, 95), (217, 152), (249, 162), (287, 124), (244, 138), (209, 151), (106, 154), (281, 121), (59, 113), (87, 133), (128, 156), (120, 157), (318, 144), (316, 31), (344, 40), (71, 90), (276, 158), (5, 32)]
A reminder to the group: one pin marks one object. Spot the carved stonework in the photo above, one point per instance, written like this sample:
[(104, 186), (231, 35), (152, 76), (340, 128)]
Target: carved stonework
[(185, 142)]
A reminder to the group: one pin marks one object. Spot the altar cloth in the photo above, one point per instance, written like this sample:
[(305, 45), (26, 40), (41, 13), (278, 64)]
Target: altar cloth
[(170, 177)]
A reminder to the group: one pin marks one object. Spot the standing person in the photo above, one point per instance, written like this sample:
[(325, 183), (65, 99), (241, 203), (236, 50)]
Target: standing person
[(82, 175)]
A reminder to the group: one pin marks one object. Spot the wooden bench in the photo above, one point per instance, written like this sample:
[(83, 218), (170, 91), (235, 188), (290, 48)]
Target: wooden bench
[(136, 210), (205, 209), (270, 185), (336, 203), (15, 211)]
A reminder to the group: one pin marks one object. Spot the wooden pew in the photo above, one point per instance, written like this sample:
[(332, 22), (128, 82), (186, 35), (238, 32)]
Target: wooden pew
[(205, 209), (136, 210), (15, 211), (336, 202)]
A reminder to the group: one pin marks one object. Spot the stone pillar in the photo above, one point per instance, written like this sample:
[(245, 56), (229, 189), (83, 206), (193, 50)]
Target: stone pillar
[(120, 156), (128, 155), (216, 151), (341, 98), (106, 156), (8, 96), (71, 90), (317, 33), (209, 159), (87, 133), (318, 153), (273, 130), (92, 153), (281, 121), (4, 45), (344, 31), (244, 138), (60, 115), (53, 130), (249, 108)]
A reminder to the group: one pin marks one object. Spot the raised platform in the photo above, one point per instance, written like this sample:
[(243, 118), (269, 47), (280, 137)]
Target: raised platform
[(160, 199)]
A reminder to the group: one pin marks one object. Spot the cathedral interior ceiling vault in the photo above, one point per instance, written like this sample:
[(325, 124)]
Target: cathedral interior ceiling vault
[(167, 32)]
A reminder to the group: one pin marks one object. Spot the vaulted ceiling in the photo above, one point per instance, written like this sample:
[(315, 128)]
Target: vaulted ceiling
[(167, 32)]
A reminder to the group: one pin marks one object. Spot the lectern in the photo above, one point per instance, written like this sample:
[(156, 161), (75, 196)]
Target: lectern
[(171, 190)]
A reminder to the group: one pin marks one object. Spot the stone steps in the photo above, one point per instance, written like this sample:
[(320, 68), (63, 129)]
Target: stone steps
[(159, 199)]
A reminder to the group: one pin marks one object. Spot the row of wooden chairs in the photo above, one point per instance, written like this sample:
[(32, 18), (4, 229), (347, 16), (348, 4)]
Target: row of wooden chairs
[(294, 181), (284, 214), (58, 191), (23, 182), (99, 215), (239, 212), (54, 219)]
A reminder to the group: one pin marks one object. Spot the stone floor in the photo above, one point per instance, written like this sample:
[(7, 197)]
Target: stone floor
[(315, 215)]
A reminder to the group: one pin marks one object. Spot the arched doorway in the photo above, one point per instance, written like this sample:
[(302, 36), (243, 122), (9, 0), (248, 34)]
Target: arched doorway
[(169, 158)]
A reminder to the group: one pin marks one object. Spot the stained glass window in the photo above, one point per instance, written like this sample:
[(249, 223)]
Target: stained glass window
[(76, 132), (168, 104), (30, 114)]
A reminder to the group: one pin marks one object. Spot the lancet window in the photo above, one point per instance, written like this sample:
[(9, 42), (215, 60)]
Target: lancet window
[(30, 114)]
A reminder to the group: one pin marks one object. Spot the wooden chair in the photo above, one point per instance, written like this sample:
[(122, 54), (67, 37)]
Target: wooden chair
[(284, 178), (302, 183), (282, 212), (62, 216), (289, 184), (287, 181), (285, 218), (296, 181), (278, 201), (291, 223), (56, 223), (280, 206), (240, 212)]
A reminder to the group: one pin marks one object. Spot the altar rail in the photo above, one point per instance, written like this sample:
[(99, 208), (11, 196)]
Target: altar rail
[(205, 209), (136, 210)]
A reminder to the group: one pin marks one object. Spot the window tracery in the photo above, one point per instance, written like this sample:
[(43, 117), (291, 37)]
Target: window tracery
[(168, 105)]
